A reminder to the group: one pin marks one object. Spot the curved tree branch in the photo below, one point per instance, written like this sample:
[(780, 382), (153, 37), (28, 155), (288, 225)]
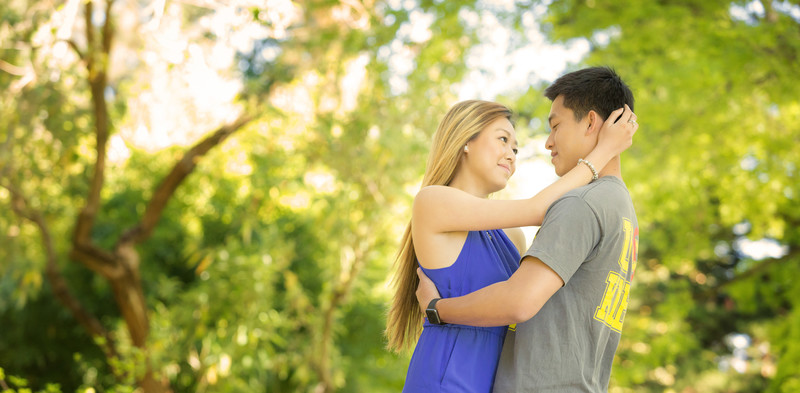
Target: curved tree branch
[(87, 18), (98, 260), (179, 172), (54, 277), (84, 250), (78, 51), (758, 269), (338, 296), (107, 29)]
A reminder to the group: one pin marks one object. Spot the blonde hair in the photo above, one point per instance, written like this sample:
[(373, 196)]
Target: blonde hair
[(462, 123)]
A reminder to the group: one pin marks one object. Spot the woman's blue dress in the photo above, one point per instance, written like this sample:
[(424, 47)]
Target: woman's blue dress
[(460, 358)]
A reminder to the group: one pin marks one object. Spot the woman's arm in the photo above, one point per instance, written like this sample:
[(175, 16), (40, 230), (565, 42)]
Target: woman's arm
[(515, 300), (447, 209)]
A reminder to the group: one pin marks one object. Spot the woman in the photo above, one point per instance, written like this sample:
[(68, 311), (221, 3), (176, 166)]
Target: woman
[(453, 237)]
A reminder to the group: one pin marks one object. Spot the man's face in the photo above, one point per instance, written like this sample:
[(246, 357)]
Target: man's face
[(568, 140)]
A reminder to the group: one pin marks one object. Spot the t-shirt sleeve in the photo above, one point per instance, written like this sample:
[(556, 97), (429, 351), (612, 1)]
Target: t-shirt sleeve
[(568, 236)]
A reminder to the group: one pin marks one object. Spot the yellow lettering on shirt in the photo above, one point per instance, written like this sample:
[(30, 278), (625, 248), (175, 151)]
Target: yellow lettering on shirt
[(627, 245), (611, 311), (614, 305)]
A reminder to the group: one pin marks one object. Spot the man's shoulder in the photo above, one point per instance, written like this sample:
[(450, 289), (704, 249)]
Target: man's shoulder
[(602, 196), (604, 189)]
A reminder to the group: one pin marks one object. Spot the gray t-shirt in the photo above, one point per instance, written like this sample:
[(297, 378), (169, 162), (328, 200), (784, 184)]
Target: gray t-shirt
[(590, 238)]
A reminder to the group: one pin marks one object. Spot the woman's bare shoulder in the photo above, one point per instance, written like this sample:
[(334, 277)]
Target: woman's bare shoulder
[(517, 237)]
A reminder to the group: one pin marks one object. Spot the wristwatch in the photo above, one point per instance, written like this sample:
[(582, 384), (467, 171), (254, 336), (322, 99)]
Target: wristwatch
[(432, 313)]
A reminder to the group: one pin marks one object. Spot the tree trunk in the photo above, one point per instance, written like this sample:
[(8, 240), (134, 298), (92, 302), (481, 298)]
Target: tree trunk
[(352, 261), (130, 299)]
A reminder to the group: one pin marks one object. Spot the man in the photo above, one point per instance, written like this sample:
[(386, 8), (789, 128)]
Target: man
[(570, 294)]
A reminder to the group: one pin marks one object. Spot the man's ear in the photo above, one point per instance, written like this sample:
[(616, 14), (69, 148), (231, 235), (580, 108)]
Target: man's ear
[(595, 122)]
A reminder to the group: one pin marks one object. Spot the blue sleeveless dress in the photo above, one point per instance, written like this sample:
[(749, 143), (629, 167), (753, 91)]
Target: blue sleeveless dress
[(460, 358)]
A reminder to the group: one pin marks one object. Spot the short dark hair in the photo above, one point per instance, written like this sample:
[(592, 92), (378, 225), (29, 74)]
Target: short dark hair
[(594, 88)]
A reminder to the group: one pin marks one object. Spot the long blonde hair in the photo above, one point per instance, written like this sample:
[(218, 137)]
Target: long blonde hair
[(462, 123)]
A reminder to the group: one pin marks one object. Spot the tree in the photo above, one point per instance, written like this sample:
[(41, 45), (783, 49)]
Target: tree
[(300, 208), (118, 264)]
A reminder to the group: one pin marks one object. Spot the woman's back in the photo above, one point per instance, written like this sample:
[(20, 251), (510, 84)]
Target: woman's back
[(462, 358)]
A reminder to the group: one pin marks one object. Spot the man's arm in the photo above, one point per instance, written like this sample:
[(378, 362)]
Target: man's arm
[(515, 300)]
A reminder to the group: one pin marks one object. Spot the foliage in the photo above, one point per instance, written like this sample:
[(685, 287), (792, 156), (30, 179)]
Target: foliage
[(267, 269), (268, 265), (14, 384), (714, 165)]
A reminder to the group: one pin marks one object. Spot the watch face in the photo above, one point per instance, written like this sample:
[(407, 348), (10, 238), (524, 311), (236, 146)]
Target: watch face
[(433, 316)]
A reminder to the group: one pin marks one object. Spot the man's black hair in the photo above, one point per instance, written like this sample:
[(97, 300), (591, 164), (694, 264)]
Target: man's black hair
[(594, 88)]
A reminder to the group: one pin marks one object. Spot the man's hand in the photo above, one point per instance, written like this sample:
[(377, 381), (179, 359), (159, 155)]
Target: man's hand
[(426, 291)]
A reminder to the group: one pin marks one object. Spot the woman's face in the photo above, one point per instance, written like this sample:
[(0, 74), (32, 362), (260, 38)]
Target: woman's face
[(491, 157)]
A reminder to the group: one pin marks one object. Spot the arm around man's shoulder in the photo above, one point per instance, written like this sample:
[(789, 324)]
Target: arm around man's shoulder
[(448, 209)]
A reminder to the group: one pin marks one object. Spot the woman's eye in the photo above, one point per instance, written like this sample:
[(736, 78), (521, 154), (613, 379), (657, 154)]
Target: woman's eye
[(504, 139), (515, 151)]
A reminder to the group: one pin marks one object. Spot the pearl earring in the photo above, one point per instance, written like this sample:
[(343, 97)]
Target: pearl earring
[(466, 149)]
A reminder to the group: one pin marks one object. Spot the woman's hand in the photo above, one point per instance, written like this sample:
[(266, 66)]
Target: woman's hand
[(426, 291), (616, 134)]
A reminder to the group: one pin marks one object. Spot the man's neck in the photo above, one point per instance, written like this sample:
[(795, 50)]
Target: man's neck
[(613, 168)]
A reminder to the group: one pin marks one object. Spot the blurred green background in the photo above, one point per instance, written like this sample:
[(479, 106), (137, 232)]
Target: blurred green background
[(207, 196)]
